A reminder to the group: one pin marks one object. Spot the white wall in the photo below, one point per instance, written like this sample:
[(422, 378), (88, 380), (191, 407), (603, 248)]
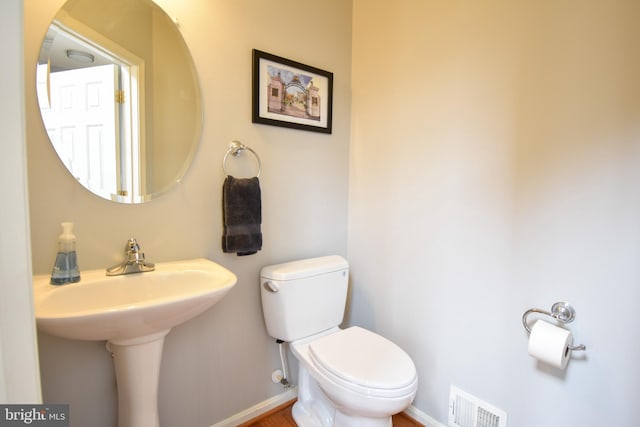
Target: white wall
[(494, 168), (221, 362), (19, 381)]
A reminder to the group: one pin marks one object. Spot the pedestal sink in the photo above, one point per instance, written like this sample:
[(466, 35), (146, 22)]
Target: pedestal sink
[(133, 313)]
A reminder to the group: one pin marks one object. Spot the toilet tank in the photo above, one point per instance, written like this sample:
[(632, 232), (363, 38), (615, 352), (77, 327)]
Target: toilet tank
[(304, 297)]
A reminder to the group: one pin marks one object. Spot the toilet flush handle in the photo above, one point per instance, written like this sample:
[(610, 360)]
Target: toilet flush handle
[(270, 286)]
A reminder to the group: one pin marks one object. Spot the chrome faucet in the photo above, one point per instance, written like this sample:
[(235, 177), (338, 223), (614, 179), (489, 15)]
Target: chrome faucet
[(133, 263)]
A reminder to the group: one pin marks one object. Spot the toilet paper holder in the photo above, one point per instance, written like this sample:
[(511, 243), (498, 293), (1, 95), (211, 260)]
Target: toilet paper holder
[(561, 311)]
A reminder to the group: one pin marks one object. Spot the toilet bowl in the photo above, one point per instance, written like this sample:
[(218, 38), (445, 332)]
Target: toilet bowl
[(365, 376), (346, 377)]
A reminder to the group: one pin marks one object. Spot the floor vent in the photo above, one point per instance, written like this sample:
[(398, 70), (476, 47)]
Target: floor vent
[(466, 410)]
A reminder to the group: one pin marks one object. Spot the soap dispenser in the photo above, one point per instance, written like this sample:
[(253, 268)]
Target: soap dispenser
[(65, 269)]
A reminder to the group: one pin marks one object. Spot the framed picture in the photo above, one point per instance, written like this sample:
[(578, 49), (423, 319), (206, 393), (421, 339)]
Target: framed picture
[(290, 94)]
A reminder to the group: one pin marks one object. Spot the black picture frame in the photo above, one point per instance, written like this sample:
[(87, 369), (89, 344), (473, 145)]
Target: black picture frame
[(290, 94)]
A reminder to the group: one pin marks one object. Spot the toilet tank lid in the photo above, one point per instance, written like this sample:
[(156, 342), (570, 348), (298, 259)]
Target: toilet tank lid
[(304, 268)]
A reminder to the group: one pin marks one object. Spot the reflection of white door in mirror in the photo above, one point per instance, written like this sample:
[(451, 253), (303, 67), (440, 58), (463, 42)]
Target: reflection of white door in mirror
[(81, 123), (109, 87)]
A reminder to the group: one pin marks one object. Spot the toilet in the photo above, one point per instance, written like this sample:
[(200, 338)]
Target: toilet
[(347, 377)]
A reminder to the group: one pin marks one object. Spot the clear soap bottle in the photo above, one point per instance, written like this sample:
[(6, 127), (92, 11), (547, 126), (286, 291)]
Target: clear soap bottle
[(65, 269)]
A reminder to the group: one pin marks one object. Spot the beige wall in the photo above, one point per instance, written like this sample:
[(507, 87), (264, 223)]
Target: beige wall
[(221, 362), (494, 168)]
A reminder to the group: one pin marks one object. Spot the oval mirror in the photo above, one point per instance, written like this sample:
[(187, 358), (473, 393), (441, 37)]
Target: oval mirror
[(119, 97)]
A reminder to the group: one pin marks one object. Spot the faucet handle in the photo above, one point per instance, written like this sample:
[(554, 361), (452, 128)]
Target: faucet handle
[(132, 246), (134, 261), (133, 252)]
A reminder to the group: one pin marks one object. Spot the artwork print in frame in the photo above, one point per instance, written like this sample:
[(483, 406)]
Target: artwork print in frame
[(290, 94)]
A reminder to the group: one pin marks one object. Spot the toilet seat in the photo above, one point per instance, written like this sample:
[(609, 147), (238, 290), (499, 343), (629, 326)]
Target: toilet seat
[(364, 362)]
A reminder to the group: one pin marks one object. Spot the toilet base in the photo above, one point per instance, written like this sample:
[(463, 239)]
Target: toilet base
[(305, 418), (315, 409), (312, 409), (345, 420)]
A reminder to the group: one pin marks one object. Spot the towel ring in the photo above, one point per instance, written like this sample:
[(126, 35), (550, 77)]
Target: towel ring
[(236, 148)]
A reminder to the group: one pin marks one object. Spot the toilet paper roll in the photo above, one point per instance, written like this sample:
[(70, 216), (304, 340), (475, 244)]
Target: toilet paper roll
[(550, 344)]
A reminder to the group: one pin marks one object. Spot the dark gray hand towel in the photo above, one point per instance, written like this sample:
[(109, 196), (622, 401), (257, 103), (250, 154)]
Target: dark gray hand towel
[(242, 215)]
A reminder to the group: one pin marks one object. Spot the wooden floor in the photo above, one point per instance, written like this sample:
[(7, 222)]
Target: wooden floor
[(281, 417)]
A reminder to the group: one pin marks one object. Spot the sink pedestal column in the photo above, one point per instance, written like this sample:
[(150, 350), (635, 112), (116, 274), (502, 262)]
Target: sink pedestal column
[(137, 365)]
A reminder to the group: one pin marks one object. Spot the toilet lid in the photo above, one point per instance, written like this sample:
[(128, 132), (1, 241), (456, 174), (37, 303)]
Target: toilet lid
[(364, 358)]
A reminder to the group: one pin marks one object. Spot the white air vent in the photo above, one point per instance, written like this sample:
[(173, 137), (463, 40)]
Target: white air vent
[(466, 410)]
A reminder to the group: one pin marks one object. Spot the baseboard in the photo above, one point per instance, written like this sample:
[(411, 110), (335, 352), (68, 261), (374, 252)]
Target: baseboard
[(421, 417), (267, 405), (258, 409)]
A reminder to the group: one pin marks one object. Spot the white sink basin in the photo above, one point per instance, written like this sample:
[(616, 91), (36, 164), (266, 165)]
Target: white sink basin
[(119, 308), (133, 313)]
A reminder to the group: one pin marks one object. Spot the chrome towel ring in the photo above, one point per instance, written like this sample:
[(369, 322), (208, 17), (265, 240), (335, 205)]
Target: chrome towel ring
[(236, 148)]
